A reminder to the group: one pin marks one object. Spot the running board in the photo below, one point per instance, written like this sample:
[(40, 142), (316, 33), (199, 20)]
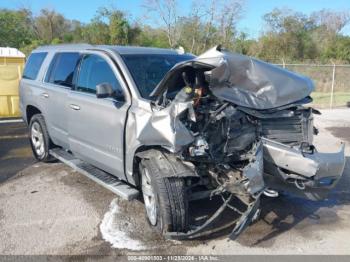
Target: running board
[(106, 180)]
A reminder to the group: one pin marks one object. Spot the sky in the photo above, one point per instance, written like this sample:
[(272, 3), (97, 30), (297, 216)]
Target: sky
[(251, 22)]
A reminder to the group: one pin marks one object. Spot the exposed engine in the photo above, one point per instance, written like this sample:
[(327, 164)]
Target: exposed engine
[(227, 145), (239, 128), (227, 137)]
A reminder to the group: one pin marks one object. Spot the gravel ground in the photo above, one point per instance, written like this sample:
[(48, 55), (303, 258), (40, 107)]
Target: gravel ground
[(50, 209)]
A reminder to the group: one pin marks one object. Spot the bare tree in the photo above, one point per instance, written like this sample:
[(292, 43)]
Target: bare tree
[(334, 21), (228, 16), (209, 22), (166, 11), (220, 21), (50, 24), (192, 31)]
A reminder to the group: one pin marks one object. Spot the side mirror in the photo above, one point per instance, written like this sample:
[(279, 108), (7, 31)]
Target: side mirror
[(105, 90)]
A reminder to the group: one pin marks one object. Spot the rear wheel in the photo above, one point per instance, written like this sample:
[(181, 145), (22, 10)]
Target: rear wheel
[(39, 138), (165, 199)]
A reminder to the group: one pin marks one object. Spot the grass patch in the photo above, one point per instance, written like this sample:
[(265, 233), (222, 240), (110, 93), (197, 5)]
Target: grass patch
[(322, 99)]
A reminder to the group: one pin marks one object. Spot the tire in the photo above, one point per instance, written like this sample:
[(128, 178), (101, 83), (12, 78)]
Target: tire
[(39, 139), (170, 199)]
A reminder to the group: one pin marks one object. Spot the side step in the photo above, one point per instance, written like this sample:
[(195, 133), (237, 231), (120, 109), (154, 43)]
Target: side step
[(106, 180)]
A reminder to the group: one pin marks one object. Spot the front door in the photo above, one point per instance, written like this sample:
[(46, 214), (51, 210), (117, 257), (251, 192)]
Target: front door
[(96, 125)]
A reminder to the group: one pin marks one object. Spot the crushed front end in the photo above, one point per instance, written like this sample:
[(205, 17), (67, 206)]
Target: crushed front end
[(241, 127)]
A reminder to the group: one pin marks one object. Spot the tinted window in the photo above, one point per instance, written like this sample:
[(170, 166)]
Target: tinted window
[(33, 65), (95, 70), (148, 70), (61, 70)]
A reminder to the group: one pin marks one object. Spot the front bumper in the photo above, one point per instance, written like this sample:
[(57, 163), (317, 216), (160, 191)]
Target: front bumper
[(309, 174)]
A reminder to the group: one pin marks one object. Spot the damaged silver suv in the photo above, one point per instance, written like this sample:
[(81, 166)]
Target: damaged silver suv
[(221, 128)]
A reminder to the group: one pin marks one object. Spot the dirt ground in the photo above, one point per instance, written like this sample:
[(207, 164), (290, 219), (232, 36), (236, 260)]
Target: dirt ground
[(50, 209)]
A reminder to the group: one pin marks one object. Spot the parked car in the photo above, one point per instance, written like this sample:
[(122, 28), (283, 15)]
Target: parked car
[(177, 128)]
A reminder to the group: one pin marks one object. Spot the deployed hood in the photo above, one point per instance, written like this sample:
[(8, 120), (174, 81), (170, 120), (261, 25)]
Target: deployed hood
[(243, 80)]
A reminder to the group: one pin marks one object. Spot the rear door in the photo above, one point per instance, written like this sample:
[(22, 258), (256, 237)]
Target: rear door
[(31, 86), (96, 125), (58, 84)]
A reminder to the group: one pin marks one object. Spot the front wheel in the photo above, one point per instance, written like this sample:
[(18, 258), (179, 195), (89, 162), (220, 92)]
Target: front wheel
[(39, 138), (165, 199)]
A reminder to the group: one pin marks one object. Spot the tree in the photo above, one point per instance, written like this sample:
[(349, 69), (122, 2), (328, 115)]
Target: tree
[(242, 44), (166, 11), (332, 21), (228, 16), (219, 22), (49, 25), (14, 28), (210, 24), (96, 32), (191, 28), (154, 37), (288, 36)]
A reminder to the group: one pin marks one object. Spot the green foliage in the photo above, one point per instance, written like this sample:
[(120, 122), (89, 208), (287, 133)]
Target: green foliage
[(243, 45), (14, 30), (50, 25), (339, 50), (96, 32), (151, 37), (293, 36), (288, 35)]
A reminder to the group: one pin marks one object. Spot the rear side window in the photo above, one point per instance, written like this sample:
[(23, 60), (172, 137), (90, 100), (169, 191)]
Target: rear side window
[(33, 65), (61, 70)]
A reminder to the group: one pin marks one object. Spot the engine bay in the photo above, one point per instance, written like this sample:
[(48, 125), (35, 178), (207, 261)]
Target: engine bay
[(237, 128), (227, 151)]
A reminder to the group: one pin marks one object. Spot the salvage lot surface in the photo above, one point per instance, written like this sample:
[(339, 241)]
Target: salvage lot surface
[(50, 209)]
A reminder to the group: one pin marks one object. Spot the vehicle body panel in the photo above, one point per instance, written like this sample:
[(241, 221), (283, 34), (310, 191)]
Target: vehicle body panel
[(100, 143), (56, 100)]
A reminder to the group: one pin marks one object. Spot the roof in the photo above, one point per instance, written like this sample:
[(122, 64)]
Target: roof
[(10, 52), (123, 50)]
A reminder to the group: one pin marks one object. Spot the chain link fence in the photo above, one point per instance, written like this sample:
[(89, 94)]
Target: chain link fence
[(332, 83)]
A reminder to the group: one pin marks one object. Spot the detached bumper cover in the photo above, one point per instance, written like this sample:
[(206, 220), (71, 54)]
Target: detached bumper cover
[(308, 171)]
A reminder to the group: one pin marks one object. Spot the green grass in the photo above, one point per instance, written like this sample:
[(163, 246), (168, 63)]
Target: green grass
[(322, 99)]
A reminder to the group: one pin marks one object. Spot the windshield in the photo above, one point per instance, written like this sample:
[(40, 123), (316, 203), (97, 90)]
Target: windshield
[(148, 70)]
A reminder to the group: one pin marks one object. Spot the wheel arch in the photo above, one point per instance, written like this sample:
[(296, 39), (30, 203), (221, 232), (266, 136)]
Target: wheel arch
[(137, 159), (168, 162), (31, 111)]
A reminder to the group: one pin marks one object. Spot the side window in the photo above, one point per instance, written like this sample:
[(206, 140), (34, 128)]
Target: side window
[(33, 65), (62, 67), (95, 70)]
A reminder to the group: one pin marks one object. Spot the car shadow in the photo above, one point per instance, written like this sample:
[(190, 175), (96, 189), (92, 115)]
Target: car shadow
[(15, 151)]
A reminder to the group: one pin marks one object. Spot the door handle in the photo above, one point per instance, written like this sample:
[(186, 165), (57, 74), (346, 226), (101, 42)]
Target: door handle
[(74, 107), (46, 95)]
